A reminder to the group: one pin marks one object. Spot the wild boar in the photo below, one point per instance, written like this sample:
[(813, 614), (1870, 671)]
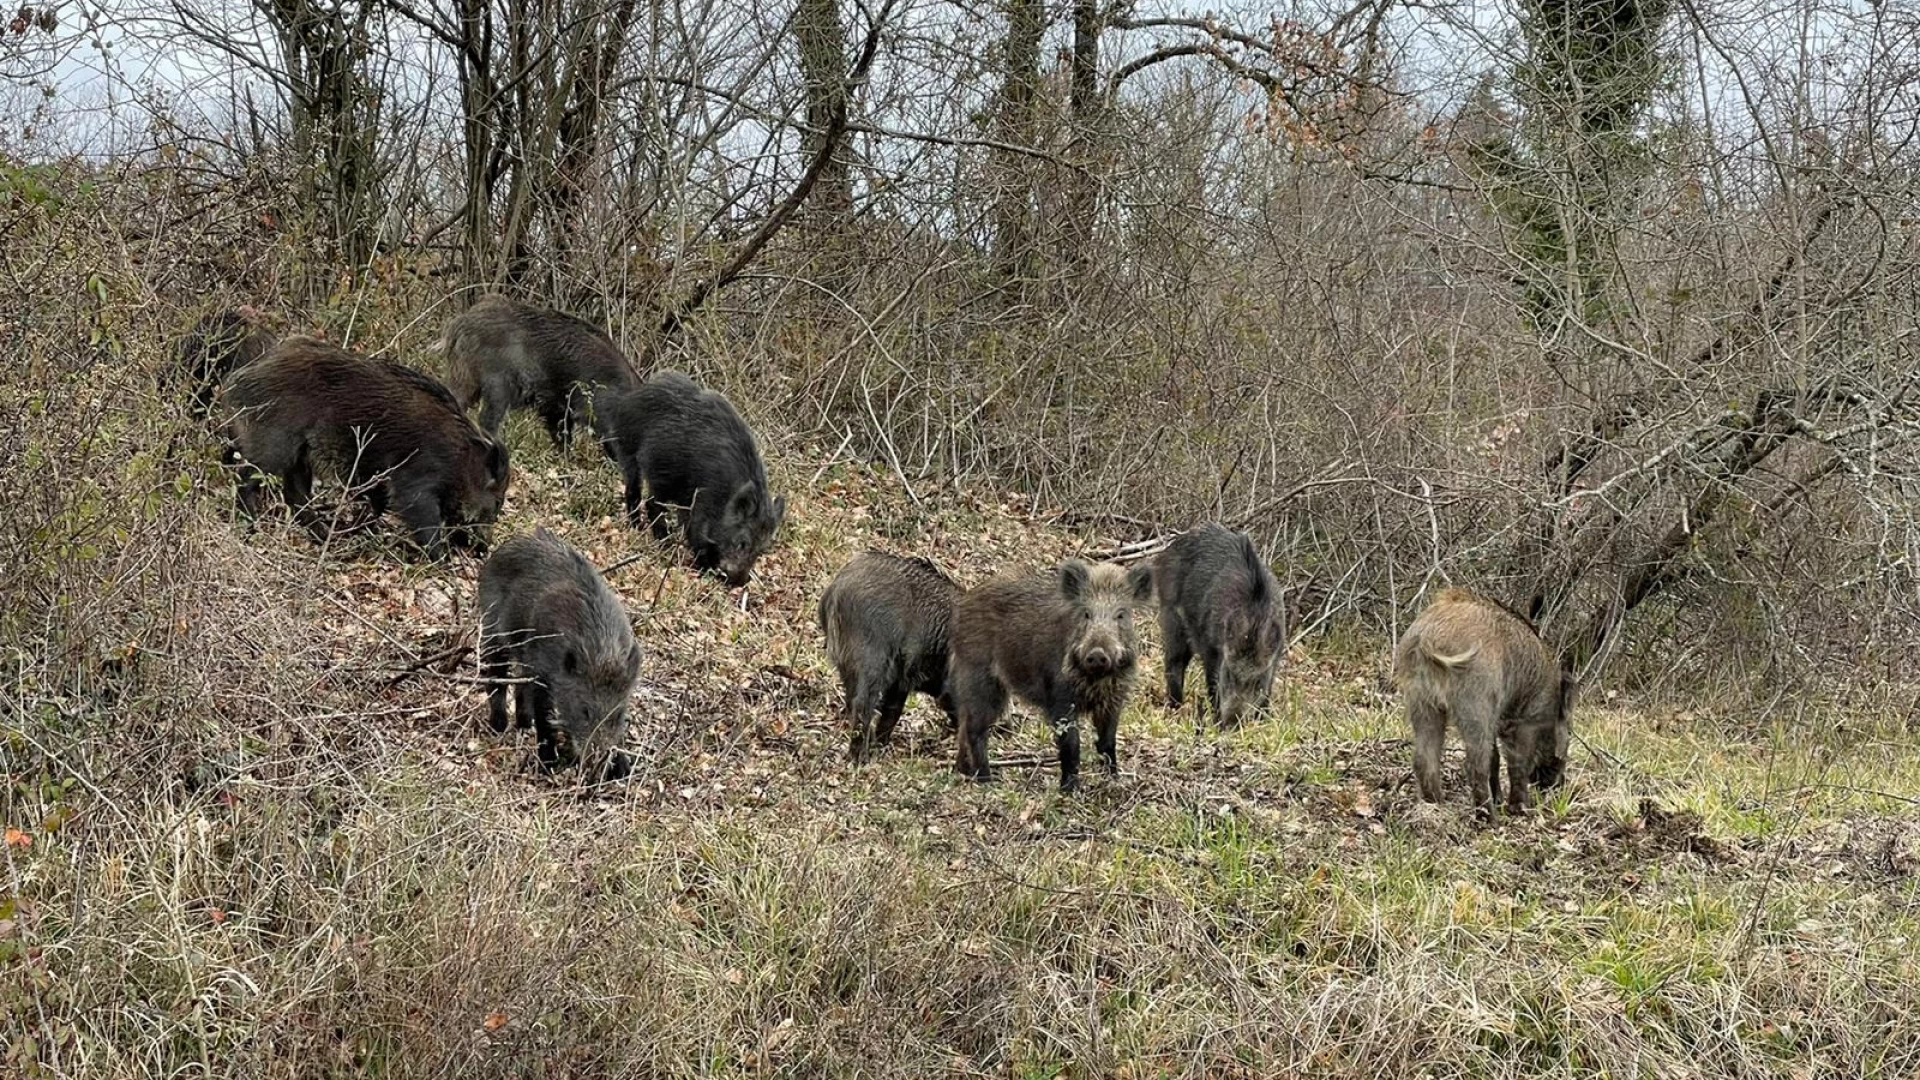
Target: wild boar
[(514, 355), (1063, 642), (1471, 661), (546, 613), (216, 347), (886, 620), (693, 452), (1217, 598), (389, 431)]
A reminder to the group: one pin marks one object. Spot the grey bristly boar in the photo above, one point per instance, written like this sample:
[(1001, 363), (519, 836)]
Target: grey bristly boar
[(1219, 600), (389, 431), (546, 613), (1471, 661), (1064, 642), (513, 355), (687, 448), (886, 620), (216, 347)]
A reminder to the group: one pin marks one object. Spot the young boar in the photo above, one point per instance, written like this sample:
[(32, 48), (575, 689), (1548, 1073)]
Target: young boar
[(1219, 600), (1063, 642), (546, 613), (886, 621), (693, 452), (216, 347), (513, 355), (391, 431), (1472, 661)]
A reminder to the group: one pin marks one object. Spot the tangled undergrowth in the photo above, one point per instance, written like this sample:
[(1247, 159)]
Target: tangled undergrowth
[(268, 836)]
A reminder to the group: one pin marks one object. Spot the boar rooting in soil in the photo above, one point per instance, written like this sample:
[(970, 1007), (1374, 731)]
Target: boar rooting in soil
[(688, 450), (1063, 642), (392, 434), (548, 616), (1471, 661), (512, 355), (886, 620), (1218, 600)]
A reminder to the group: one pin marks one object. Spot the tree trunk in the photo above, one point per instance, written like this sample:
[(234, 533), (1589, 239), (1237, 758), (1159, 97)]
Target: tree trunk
[(822, 40), (1014, 240)]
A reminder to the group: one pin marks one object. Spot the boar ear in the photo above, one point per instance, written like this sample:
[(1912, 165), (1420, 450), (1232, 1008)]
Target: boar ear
[(1073, 579), (779, 510), (1140, 581), (743, 501), (496, 457), (1257, 570)]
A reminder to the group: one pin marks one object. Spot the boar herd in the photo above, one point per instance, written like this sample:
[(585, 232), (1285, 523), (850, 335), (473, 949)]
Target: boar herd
[(1063, 640)]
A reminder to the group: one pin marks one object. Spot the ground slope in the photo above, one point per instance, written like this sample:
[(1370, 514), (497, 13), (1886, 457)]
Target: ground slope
[(335, 870)]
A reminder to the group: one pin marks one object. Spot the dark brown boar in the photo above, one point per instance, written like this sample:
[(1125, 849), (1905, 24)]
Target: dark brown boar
[(1471, 661), (1063, 642), (512, 355), (886, 620), (545, 611), (391, 432), (1218, 599), (217, 346)]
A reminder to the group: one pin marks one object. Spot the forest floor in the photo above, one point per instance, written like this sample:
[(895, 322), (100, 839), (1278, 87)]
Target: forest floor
[(340, 871)]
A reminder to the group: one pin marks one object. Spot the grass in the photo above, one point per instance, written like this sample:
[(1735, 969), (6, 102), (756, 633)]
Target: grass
[(257, 830)]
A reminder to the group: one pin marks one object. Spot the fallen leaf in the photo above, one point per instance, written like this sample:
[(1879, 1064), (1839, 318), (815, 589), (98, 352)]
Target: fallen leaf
[(494, 1021), (16, 838)]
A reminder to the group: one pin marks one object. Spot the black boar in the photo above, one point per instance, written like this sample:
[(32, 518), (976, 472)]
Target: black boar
[(1219, 600), (546, 613), (1471, 661), (693, 452), (886, 621), (218, 346), (1064, 642), (390, 431), (514, 355)]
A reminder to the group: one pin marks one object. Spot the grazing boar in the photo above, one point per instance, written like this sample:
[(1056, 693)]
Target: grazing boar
[(546, 613), (216, 347), (886, 621), (1064, 642), (1219, 600), (514, 355), (1471, 661), (391, 432), (692, 452)]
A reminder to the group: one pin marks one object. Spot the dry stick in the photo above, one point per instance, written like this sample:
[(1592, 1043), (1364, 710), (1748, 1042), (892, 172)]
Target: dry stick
[(829, 145)]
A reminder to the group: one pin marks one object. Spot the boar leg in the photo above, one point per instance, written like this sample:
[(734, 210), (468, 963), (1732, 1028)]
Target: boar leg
[(548, 736), (1483, 769), (1210, 660), (635, 501), (1179, 654), (1519, 749), (892, 704), (980, 699), (1106, 738), (1429, 722), (494, 667), (862, 700), (420, 510), (493, 412), (1065, 721)]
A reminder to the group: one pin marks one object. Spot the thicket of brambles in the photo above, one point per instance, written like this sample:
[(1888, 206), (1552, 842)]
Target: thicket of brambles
[(1608, 308)]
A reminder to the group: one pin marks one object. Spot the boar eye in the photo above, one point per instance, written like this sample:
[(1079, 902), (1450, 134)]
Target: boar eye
[(571, 663)]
